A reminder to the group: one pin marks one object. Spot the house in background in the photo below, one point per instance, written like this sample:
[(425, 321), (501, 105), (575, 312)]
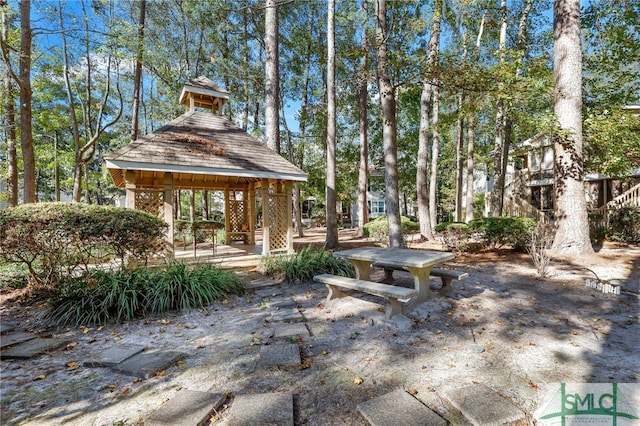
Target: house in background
[(530, 183)]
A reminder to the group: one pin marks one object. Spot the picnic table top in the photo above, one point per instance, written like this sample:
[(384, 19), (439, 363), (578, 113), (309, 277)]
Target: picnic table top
[(395, 256)]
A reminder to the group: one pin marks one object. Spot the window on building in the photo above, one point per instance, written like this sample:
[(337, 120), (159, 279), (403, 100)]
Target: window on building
[(377, 207)]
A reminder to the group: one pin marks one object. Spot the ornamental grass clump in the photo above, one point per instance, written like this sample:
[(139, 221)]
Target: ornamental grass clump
[(122, 295), (302, 266)]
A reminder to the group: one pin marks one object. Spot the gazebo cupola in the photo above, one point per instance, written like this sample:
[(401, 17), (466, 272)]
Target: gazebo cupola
[(203, 93)]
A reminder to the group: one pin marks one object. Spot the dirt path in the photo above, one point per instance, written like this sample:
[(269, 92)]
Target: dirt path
[(502, 327)]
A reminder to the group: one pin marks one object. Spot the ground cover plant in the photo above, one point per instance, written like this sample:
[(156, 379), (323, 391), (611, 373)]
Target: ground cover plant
[(302, 266), (122, 295)]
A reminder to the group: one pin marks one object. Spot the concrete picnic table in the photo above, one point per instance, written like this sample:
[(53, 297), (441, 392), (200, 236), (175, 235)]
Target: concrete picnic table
[(417, 262)]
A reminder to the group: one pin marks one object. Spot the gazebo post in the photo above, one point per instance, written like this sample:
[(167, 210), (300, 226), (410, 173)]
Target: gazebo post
[(251, 208), (289, 189), (227, 216), (168, 212), (266, 220), (130, 186)]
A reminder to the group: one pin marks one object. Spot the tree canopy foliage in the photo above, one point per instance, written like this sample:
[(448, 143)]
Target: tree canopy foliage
[(225, 41)]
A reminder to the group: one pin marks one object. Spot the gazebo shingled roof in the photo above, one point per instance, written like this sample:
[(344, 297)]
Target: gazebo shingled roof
[(199, 144)]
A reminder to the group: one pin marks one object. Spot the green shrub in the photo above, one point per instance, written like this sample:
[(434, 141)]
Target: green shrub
[(379, 229), (624, 225), (496, 232), (455, 235), (121, 295), (56, 240), (302, 266), (443, 226)]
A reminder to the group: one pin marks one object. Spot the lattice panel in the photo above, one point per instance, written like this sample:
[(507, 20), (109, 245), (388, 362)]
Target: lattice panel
[(279, 223), (237, 215), (150, 201)]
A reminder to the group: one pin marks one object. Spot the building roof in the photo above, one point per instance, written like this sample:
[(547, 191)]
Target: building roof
[(201, 143)]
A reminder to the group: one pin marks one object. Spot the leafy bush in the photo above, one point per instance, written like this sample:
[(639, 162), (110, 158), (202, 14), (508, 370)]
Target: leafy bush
[(55, 240), (624, 225), (379, 229), (443, 226), (455, 235), (302, 266), (102, 296), (496, 232), (13, 276)]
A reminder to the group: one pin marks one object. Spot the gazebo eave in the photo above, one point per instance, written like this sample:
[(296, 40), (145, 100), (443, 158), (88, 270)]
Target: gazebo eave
[(199, 170)]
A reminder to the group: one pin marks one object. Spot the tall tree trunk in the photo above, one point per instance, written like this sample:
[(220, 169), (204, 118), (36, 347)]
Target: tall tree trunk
[(435, 156), (272, 77), (26, 131), (192, 205), (389, 129), (501, 148), (459, 158), (245, 69), (137, 73), (299, 159), (363, 102), (10, 117), (422, 166), (572, 234), (330, 178), (470, 148), (205, 205)]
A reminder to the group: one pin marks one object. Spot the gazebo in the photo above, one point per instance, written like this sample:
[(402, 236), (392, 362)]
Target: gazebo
[(205, 151)]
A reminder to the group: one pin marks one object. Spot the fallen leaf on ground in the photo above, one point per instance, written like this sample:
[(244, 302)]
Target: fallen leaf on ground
[(40, 377), (305, 364), (357, 381), (159, 373), (72, 365), (72, 345)]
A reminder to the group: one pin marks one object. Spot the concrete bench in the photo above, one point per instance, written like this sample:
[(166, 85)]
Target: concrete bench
[(446, 275), (391, 293)]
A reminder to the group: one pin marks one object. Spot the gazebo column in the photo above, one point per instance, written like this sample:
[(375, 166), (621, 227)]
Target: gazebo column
[(227, 215), (168, 211), (251, 211), (289, 190), (266, 219), (130, 186)]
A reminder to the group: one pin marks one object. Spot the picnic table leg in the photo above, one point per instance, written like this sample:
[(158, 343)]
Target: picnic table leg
[(363, 269), (421, 282)]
